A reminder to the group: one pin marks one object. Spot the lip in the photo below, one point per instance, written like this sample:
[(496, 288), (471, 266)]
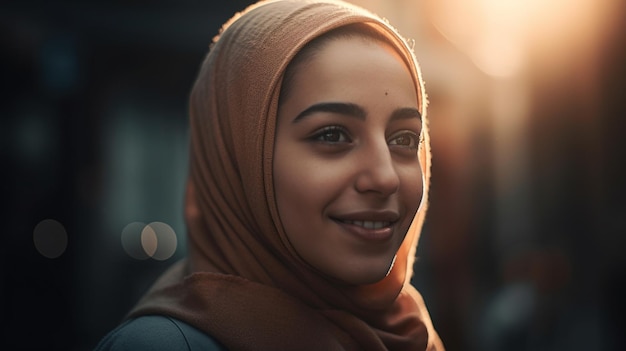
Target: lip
[(376, 226)]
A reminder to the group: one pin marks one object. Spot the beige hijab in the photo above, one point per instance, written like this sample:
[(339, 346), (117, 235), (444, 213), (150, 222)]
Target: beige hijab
[(243, 283)]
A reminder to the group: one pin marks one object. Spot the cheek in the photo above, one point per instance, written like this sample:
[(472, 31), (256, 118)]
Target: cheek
[(294, 181), (303, 185), (303, 190), (412, 187)]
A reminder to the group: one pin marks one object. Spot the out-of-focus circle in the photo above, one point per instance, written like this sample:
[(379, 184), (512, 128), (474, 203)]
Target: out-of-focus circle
[(132, 240), (50, 238), (157, 240), (149, 240), (166, 240)]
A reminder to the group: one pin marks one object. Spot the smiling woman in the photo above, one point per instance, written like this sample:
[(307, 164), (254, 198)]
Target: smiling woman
[(307, 191), (347, 176)]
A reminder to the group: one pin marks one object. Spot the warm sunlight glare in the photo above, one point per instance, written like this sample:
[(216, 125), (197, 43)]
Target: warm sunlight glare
[(499, 35)]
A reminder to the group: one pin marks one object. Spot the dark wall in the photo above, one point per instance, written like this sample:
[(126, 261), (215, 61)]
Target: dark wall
[(86, 85)]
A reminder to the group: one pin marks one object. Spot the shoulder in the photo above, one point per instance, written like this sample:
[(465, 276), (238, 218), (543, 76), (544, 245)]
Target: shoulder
[(158, 333)]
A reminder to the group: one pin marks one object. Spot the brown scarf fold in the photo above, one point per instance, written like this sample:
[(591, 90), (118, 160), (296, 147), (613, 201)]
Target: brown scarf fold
[(243, 283)]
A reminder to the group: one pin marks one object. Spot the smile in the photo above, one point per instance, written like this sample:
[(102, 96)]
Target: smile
[(368, 224), (373, 231)]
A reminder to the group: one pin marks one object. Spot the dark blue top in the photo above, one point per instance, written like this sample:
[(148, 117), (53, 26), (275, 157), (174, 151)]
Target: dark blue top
[(158, 333)]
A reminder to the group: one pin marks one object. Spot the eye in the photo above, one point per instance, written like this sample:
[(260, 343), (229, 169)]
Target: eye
[(332, 134), (406, 139)]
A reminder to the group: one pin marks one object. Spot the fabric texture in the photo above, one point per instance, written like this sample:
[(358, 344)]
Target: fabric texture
[(243, 283), (157, 333)]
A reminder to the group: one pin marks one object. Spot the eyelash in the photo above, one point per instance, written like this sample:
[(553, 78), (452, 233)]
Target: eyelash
[(414, 142), (336, 130), (340, 133)]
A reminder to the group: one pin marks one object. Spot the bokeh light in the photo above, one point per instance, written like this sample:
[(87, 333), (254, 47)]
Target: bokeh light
[(149, 241), (165, 239), (50, 238), (132, 242), (156, 240)]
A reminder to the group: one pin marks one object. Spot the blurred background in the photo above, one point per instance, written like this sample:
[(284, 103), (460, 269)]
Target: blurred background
[(523, 245)]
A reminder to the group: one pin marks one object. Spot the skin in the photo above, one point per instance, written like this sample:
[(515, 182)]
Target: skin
[(346, 153)]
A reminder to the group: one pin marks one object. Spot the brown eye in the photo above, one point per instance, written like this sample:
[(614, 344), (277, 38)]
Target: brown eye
[(332, 134), (407, 140), (403, 140)]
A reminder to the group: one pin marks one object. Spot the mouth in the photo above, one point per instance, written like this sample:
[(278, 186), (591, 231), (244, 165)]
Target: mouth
[(369, 226)]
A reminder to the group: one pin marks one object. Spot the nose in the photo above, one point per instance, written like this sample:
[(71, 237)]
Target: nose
[(377, 172)]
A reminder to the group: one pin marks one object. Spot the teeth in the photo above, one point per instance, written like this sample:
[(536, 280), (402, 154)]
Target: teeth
[(369, 224)]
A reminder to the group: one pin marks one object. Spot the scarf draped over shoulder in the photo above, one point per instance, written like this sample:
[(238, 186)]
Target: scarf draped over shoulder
[(243, 283)]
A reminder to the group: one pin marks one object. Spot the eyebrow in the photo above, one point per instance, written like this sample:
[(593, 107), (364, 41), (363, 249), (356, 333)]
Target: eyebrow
[(342, 108), (406, 113), (354, 110)]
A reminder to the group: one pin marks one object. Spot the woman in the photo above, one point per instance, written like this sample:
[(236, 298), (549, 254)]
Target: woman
[(307, 191)]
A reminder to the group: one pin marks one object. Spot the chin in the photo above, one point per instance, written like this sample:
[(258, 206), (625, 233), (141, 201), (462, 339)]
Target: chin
[(364, 275)]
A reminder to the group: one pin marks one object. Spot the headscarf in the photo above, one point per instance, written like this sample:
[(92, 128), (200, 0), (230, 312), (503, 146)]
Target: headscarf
[(243, 282)]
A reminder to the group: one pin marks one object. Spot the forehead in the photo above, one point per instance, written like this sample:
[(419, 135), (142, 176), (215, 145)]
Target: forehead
[(356, 50), (348, 68), (367, 32)]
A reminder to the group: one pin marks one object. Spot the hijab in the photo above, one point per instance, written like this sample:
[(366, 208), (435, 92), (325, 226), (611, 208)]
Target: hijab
[(243, 283)]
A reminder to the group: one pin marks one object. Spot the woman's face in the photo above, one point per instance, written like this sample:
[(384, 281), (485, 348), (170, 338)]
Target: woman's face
[(347, 177)]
